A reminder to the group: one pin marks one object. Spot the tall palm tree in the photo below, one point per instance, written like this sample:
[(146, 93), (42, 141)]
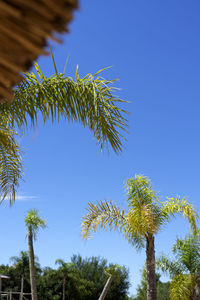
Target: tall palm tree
[(88, 100), (33, 223), (145, 217), (185, 269)]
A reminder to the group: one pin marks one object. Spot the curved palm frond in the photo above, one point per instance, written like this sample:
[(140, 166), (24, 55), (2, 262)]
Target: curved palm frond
[(183, 207), (10, 163), (106, 215), (89, 100), (187, 252)]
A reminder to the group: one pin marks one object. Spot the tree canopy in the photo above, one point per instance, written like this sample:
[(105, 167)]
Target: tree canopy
[(85, 279)]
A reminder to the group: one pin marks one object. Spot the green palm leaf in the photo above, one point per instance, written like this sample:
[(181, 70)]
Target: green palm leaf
[(10, 163), (89, 101)]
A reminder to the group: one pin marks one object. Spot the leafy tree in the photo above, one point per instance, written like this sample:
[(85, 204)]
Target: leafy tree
[(111, 272), (145, 217), (88, 100), (33, 223), (184, 269), (85, 280), (49, 285), (93, 270)]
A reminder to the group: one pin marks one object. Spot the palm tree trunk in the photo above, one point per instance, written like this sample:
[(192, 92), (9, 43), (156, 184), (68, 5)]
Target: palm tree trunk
[(22, 287), (32, 267), (194, 294), (150, 265), (106, 288), (64, 287)]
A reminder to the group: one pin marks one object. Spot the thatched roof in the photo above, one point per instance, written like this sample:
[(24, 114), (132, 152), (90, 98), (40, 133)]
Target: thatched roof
[(25, 26)]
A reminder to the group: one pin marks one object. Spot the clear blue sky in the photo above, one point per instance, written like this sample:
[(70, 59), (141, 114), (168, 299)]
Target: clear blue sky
[(154, 49)]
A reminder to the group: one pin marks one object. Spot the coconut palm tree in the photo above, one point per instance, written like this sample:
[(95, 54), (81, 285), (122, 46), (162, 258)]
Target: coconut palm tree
[(145, 217), (33, 223), (184, 269), (88, 100)]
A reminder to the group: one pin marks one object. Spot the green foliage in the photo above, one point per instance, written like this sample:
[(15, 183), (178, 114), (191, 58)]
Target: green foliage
[(85, 278), (89, 100), (34, 222), (19, 267)]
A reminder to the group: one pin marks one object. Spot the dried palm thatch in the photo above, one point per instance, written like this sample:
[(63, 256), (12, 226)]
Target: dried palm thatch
[(25, 26)]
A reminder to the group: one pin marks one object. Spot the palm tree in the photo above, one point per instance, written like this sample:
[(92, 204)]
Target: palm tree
[(21, 263), (33, 223), (145, 217), (88, 100), (64, 270), (185, 269)]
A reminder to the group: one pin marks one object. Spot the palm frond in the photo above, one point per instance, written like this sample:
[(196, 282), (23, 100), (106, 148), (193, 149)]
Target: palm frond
[(139, 190), (89, 100), (10, 163), (183, 207), (167, 266), (104, 215), (180, 287), (187, 252)]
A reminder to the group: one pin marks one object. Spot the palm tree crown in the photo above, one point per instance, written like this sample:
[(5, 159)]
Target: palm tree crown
[(33, 222), (146, 214)]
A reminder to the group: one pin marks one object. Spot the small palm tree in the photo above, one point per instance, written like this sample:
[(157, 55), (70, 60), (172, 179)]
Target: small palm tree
[(22, 264), (139, 224), (33, 223), (64, 269), (185, 269), (88, 100)]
